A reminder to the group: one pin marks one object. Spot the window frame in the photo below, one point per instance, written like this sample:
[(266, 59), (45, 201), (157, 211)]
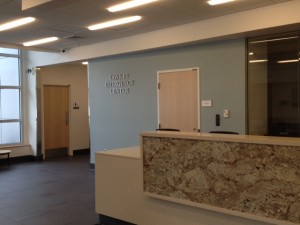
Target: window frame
[(19, 87)]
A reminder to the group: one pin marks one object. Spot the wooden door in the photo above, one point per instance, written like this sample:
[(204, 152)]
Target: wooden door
[(178, 99), (56, 120)]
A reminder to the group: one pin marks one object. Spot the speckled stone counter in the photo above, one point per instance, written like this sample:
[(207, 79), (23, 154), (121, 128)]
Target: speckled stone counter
[(246, 175)]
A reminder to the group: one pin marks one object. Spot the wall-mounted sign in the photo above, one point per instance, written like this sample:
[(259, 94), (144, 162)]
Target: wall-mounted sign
[(119, 83)]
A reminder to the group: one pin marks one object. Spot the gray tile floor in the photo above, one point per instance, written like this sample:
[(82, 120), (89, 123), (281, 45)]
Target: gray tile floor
[(57, 191)]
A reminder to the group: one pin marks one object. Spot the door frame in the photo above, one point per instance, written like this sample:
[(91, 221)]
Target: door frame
[(43, 118), (198, 91)]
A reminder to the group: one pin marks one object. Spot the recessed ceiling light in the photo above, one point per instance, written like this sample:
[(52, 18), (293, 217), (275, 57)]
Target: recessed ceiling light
[(85, 63), (217, 2), (40, 41), (128, 5), (258, 61), (114, 22), (276, 39), (16, 23), (289, 61)]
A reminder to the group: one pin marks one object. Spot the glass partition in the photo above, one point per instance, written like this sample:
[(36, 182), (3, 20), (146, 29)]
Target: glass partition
[(273, 85)]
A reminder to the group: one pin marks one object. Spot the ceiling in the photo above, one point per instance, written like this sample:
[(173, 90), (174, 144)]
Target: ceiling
[(68, 19)]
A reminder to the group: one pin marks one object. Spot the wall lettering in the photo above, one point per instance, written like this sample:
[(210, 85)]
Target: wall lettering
[(119, 83)]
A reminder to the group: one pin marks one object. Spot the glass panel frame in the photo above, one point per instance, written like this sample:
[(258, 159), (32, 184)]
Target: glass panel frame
[(273, 85)]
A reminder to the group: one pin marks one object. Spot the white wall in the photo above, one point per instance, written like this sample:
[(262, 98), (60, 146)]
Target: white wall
[(76, 77), (29, 113)]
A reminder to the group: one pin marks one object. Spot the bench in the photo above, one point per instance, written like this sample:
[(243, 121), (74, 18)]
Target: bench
[(6, 152)]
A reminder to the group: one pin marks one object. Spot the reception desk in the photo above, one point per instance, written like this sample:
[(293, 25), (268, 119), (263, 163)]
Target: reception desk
[(200, 179), (255, 177)]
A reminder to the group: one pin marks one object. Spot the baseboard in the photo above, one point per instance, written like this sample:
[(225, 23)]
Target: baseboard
[(92, 166), (32, 158), (82, 152), (106, 220), (22, 159), (56, 152)]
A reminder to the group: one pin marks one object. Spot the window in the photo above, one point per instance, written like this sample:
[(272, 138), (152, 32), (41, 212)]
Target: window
[(274, 85), (10, 97)]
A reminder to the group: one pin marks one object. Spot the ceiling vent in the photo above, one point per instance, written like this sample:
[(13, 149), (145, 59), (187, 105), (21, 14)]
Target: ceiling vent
[(72, 37), (126, 29)]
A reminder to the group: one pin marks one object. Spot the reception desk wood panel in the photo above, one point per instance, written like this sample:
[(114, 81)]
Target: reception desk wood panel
[(249, 176)]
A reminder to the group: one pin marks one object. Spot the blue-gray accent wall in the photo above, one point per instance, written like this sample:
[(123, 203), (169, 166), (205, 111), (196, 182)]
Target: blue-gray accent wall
[(117, 119)]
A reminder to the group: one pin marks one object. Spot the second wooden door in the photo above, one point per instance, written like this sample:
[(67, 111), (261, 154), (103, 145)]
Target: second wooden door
[(56, 119), (178, 97)]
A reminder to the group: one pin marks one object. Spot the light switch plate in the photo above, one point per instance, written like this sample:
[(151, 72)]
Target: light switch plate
[(226, 113), (206, 103)]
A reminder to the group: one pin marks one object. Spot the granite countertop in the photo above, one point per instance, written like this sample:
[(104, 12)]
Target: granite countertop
[(128, 152), (272, 140)]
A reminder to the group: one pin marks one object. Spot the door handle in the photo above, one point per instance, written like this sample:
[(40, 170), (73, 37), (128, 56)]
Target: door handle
[(67, 118)]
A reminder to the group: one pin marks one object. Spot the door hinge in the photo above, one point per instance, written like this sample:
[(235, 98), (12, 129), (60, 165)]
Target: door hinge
[(158, 85)]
